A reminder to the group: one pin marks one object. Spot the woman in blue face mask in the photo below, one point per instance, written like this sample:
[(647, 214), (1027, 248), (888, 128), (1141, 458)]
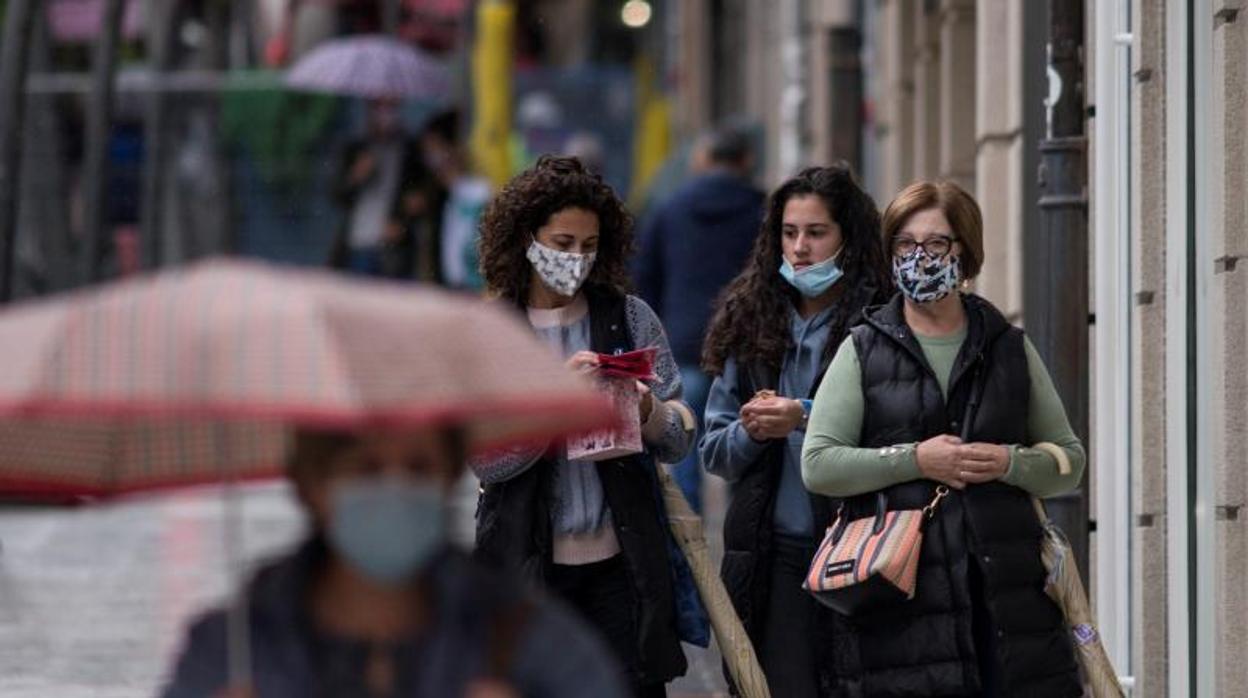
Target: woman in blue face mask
[(816, 264), (377, 602)]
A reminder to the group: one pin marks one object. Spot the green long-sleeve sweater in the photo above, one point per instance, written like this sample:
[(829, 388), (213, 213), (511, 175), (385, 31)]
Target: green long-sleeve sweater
[(834, 465)]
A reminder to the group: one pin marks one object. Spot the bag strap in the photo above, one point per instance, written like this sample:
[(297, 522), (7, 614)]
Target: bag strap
[(972, 402), (968, 417)]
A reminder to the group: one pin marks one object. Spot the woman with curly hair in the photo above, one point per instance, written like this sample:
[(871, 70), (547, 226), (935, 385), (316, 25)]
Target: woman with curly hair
[(555, 243), (817, 263)]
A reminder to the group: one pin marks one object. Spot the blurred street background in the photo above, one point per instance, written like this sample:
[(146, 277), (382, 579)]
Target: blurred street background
[(1105, 141)]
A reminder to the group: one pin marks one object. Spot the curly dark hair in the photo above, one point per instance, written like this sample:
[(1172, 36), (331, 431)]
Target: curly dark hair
[(751, 321), (527, 203)]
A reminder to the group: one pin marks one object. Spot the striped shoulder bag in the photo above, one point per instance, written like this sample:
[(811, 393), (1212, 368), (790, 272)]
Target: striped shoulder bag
[(872, 561)]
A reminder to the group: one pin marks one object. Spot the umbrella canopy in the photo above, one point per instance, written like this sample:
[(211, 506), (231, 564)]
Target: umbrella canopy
[(201, 374), (373, 67)]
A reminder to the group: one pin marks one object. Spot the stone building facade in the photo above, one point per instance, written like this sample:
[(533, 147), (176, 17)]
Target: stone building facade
[(958, 89), (1169, 224)]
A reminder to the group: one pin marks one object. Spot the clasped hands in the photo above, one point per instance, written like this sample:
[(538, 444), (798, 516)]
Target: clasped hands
[(948, 460), (769, 416)]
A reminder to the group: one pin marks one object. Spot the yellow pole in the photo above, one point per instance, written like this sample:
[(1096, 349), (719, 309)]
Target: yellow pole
[(652, 132), (492, 90)]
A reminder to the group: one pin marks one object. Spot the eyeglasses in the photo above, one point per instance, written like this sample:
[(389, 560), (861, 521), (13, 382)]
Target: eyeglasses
[(936, 247)]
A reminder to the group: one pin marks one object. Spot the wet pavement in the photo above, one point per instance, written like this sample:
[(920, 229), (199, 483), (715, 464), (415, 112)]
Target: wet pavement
[(94, 599)]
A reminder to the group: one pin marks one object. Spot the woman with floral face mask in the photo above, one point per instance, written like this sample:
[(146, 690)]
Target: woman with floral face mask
[(936, 391), (555, 243), (816, 264)]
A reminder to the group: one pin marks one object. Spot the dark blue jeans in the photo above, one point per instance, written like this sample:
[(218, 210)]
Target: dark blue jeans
[(688, 472)]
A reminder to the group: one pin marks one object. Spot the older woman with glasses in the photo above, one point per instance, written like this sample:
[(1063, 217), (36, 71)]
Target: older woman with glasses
[(936, 390)]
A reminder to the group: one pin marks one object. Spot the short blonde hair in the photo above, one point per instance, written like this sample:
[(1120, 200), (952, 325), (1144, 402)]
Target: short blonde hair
[(959, 207)]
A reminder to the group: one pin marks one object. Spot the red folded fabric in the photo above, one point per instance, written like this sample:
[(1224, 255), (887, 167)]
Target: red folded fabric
[(637, 364)]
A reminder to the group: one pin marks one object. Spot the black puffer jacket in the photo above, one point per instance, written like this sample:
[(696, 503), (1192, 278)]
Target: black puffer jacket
[(980, 623), (748, 527), (514, 530)]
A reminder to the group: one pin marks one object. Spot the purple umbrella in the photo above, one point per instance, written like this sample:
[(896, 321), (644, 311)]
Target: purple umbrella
[(373, 67)]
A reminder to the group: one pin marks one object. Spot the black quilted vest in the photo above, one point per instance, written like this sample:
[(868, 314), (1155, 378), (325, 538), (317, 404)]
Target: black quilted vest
[(514, 530), (980, 609), (746, 567)]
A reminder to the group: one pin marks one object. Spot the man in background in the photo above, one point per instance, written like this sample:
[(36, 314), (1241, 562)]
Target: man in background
[(465, 199), (390, 199), (691, 246)]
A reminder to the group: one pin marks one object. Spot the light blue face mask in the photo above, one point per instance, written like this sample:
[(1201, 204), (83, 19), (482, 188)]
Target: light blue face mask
[(814, 279), (387, 528)]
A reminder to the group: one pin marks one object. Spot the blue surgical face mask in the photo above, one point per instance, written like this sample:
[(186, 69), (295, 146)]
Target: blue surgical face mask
[(814, 279), (387, 528)]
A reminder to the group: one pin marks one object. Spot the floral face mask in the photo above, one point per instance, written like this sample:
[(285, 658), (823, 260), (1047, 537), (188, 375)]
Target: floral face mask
[(563, 272), (925, 279)]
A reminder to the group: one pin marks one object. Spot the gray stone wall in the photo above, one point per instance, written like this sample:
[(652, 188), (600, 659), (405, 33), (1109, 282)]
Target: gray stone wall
[(1149, 632), (1228, 335), (999, 156)]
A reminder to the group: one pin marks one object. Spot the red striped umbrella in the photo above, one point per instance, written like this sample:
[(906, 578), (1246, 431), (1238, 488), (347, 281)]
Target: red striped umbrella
[(371, 67), (200, 374)]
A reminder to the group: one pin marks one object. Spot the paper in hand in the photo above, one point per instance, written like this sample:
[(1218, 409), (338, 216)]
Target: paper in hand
[(638, 365)]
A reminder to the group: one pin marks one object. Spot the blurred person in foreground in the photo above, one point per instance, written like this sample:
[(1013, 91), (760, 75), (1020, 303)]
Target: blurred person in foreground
[(817, 263), (555, 243), (377, 603), (890, 418), (465, 197), (697, 241), (391, 201)]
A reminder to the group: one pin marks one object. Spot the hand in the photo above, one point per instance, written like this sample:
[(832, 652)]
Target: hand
[(583, 362), (939, 459), (647, 401), (984, 462), (766, 418), (946, 459), (362, 168)]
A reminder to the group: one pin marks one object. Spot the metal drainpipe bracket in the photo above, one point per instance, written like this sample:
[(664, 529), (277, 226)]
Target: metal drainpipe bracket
[(1227, 12)]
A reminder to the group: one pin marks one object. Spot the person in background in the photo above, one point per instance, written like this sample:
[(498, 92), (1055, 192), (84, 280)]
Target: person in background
[(554, 244), (377, 603), (466, 195), (390, 199), (816, 264), (587, 147), (936, 393), (697, 241)]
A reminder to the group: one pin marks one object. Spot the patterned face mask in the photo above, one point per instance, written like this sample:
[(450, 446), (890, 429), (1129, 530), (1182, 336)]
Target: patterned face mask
[(562, 272), (924, 279)]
